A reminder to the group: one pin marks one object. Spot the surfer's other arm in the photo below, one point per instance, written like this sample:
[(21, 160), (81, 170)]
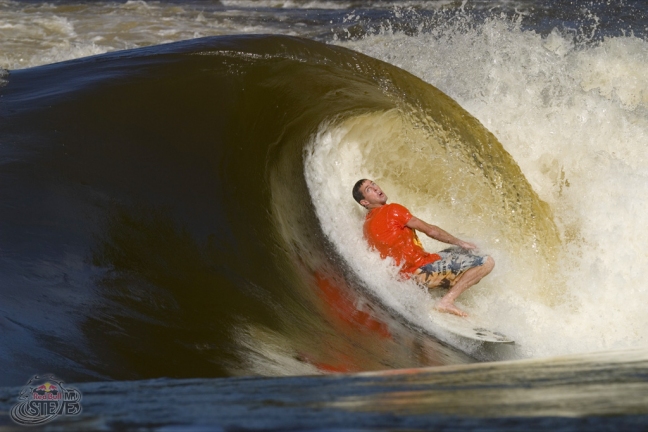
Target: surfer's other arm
[(437, 233)]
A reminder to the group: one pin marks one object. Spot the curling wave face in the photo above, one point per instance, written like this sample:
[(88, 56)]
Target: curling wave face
[(185, 210), (158, 221)]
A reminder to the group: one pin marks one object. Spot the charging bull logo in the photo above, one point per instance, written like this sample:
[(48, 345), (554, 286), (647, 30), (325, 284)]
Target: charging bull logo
[(43, 399)]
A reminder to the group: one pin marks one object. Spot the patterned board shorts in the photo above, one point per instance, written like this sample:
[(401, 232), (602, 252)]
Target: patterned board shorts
[(445, 272)]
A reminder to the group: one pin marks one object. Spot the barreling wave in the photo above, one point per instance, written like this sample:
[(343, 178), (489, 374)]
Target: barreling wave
[(184, 209)]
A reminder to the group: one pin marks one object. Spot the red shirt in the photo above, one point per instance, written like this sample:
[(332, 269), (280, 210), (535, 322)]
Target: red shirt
[(386, 231)]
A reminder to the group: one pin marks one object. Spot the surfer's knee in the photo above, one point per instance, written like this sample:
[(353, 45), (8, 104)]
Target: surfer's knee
[(489, 264)]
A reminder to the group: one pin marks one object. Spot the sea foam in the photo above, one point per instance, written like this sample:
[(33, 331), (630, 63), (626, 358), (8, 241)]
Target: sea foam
[(573, 116)]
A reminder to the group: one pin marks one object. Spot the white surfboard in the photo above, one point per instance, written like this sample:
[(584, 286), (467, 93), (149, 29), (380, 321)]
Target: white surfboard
[(468, 327)]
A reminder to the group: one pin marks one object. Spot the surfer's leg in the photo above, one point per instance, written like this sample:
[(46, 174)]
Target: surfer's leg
[(431, 279), (464, 281)]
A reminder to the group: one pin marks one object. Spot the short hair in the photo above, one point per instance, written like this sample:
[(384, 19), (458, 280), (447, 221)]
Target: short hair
[(357, 194)]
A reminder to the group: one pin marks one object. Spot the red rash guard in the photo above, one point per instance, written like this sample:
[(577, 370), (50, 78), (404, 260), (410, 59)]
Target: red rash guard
[(386, 231)]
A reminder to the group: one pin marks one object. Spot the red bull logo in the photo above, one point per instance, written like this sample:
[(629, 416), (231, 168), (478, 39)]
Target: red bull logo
[(42, 401), (47, 391), (47, 387)]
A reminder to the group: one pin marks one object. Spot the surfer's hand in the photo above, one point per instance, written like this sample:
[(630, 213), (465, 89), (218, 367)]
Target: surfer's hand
[(467, 245)]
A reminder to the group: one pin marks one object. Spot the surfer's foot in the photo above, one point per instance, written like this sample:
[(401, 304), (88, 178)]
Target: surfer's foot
[(450, 308)]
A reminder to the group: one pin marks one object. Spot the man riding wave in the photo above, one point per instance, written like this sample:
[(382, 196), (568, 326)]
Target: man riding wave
[(391, 230)]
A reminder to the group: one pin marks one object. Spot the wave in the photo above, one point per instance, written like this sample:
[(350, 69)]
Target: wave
[(185, 210)]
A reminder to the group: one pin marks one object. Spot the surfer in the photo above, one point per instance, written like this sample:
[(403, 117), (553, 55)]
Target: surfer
[(391, 230)]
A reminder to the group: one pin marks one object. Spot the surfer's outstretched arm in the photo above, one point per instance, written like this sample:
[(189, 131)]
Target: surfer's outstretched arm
[(437, 233)]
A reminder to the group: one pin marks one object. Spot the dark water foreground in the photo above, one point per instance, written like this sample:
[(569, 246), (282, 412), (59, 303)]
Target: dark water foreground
[(607, 391)]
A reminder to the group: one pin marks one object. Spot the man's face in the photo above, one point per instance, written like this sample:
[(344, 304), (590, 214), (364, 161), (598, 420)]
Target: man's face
[(373, 195)]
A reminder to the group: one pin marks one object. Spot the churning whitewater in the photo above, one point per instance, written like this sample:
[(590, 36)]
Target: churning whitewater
[(573, 117)]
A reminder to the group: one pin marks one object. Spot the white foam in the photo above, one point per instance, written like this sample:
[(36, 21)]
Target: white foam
[(286, 4), (575, 120), (33, 35), (335, 4), (339, 155)]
